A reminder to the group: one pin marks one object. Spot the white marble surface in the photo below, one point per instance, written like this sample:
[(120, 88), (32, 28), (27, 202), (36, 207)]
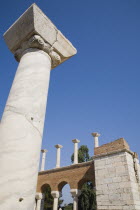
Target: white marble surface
[(21, 131), (43, 159), (75, 141), (34, 21), (58, 154)]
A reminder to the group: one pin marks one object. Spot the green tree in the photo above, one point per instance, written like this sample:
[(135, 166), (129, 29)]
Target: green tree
[(83, 154), (87, 199), (48, 201)]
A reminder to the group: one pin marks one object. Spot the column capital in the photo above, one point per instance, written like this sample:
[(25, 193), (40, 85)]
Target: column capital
[(36, 41), (39, 196), (95, 134), (75, 192), (35, 30), (75, 141), (44, 150), (58, 146), (55, 194)]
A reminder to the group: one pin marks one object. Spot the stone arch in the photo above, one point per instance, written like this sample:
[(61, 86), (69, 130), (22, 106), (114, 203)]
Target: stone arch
[(44, 186), (83, 181), (61, 184)]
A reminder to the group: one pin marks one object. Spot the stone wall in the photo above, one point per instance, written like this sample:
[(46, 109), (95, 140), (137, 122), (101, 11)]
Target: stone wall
[(117, 177)]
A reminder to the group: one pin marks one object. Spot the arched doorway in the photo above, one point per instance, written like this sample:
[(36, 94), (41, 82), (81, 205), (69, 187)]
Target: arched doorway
[(67, 201)]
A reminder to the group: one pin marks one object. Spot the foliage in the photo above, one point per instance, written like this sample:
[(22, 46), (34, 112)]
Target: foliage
[(87, 199), (68, 206), (83, 154), (48, 201)]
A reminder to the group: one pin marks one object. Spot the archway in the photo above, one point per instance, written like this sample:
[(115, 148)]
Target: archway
[(67, 201)]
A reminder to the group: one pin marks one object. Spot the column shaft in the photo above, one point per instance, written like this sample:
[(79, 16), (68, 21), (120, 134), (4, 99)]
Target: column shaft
[(96, 142), (75, 153), (21, 130), (43, 160), (38, 206), (58, 158), (75, 203), (55, 204)]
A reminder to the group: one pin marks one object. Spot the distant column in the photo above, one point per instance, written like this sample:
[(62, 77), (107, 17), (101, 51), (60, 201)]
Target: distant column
[(55, 195), (58, 147), (96, 141), (75, 141), (44, 151), (75, 193)]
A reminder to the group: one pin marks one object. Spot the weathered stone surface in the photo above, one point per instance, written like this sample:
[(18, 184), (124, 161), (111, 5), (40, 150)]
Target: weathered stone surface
[(119, 144), (35, 22), (31, 39), (117, 177)]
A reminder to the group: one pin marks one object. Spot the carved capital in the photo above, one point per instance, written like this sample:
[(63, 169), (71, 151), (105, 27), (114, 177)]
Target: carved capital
[(37, 42)]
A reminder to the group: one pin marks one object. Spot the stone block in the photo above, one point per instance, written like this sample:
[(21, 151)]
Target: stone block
[(34, 22)]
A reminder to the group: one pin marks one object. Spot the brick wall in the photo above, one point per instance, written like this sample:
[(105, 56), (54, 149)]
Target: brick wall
[(74, 175)]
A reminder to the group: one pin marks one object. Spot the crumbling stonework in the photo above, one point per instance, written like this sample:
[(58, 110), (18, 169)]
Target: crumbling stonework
[(116, 145)]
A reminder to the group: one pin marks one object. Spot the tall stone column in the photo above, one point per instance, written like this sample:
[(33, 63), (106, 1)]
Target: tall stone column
[(43, 159), (75, 193), (58, 147), (39, 47), (96, 140), (75, 141), (55, 195)]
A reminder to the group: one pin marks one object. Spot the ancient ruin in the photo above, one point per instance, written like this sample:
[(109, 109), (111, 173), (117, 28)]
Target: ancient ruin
[(39, 46)]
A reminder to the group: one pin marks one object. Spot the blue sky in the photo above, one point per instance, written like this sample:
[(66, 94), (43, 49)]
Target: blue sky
[(97, 90)]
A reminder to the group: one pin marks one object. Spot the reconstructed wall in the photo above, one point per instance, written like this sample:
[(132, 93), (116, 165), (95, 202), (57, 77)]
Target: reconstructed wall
[(75, 175), (116, 177)]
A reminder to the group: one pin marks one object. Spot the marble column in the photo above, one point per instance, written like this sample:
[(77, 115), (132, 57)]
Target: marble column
[(38, 46), (75, 193), (38, 197), (55, 195), (75, 141), (96, 140), (44, 151), (58, 147)]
